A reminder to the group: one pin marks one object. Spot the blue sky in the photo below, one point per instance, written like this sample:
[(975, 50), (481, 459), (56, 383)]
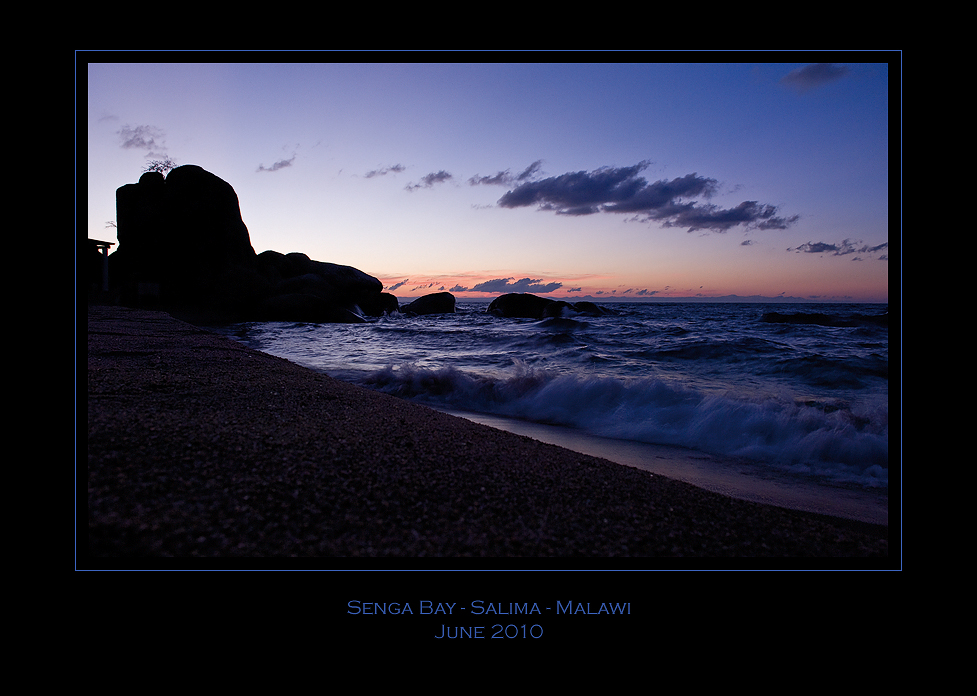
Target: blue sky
[(567, 179)]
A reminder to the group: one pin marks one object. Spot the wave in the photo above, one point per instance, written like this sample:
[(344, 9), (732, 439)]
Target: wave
[(829, 439), (712, 349), (830, 372)]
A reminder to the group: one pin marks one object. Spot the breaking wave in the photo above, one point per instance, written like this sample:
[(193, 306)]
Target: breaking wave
[(823, 438)]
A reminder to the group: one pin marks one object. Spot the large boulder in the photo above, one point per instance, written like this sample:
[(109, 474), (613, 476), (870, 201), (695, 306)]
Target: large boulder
[(435, 303), (561, 308), (342, 279), (528, 306), (303, 307), (522, 305), (591, 309), (178, 236), (349, 291), (557, 308), (183, 245)]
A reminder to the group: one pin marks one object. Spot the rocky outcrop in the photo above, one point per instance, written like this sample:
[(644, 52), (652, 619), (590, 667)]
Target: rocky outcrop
[(183, 245), (304, 307), (590, 309), (435, 303), (305, 290), (178, 236)]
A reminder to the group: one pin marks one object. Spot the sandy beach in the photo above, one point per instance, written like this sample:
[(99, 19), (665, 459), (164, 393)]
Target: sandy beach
[(198, 447)]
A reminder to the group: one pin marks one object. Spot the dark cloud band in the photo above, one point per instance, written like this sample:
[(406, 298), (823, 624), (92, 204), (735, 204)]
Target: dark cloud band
[(623, 190), (503, 285), (847, 247)]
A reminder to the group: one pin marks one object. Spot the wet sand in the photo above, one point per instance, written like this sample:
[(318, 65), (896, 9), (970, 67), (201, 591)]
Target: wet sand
[(732, 476), (199, 447)]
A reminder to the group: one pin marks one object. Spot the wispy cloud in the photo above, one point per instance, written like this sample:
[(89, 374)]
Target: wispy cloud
[(396, 286), (813, 75), (750, 214), (623, 190), (506, 178), (816, 248), (430, 180), (843, 249), (280, 164), (148, 138), (383, 171)]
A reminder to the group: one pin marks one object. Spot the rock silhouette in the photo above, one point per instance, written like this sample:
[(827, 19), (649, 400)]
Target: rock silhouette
[(529, 306), (435, 303), (522, 305), (184, 246)]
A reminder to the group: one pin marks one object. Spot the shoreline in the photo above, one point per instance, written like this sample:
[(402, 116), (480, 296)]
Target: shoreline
[(703, 470), (201, 447)]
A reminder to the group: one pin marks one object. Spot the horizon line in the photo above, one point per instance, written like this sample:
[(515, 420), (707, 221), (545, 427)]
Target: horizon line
[(732, 298)]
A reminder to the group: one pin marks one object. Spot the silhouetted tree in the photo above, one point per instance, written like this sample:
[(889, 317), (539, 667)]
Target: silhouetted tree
[(161, 166)]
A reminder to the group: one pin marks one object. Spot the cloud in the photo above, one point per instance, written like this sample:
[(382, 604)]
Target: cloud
[(280, 164), (505, 178), (750, 214), (396, 169), (816, 248), (622, 190), (845, 248), (398, 285), (523, 285), (148, 138), (578, 193), (813, 75), (430, 180)]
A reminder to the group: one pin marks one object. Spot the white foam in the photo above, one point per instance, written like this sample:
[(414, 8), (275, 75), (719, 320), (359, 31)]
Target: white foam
[(833, 443), (729, 477)]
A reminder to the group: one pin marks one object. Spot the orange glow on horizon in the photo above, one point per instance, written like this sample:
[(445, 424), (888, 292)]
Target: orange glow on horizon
[(606, 288)]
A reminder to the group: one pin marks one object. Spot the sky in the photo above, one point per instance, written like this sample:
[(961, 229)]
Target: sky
[(647, 180)]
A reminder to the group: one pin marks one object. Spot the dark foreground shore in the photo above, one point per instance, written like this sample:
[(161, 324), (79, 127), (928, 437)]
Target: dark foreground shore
[(200, 447)]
